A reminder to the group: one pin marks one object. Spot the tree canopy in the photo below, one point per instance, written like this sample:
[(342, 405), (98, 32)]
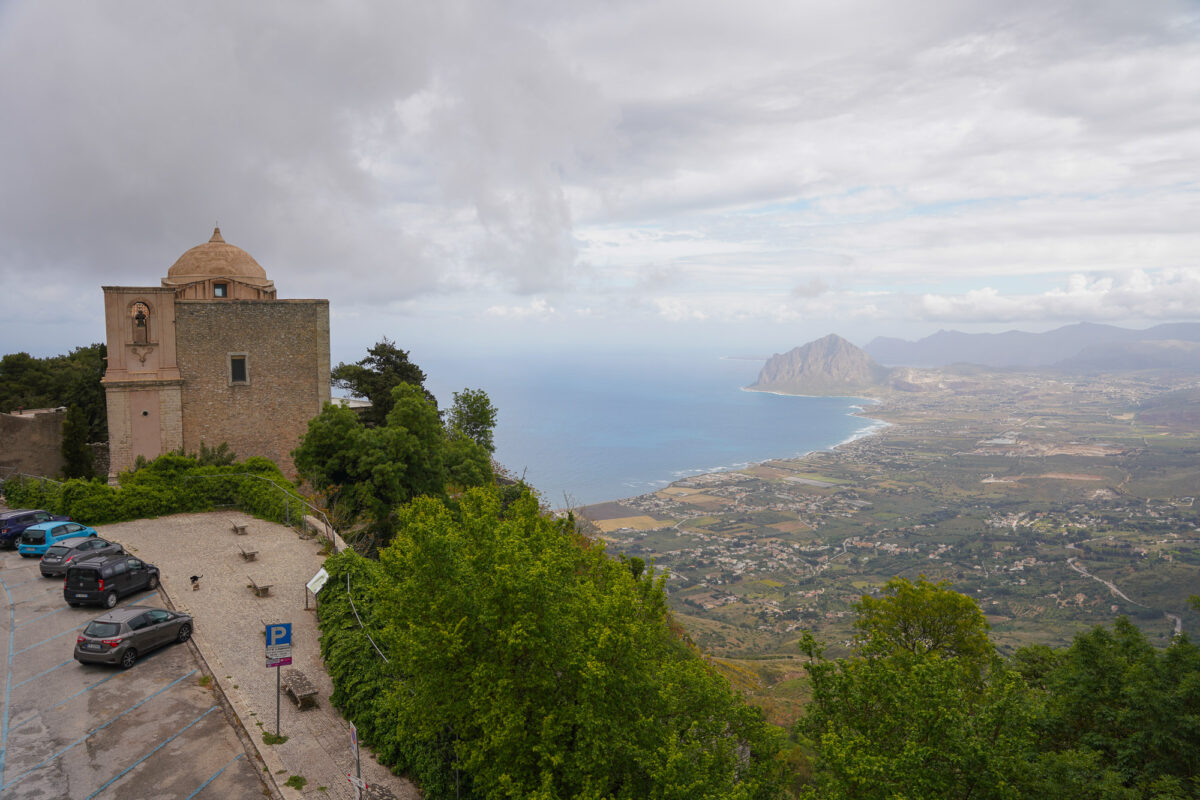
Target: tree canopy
[(366, 472), (374, 377), (521, 661), (474, 416), (921, 618), (926, 708), (71, 380)]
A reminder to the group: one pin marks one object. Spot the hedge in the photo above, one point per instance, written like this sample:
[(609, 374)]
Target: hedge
[(171, 484)]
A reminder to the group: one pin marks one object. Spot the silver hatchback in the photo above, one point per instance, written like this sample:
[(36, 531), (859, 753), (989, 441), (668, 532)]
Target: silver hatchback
[(120, 636)]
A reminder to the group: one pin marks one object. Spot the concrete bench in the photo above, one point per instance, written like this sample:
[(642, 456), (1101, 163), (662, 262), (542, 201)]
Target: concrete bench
[(300, 689), (259, 589), (238, 527), (248, 555)]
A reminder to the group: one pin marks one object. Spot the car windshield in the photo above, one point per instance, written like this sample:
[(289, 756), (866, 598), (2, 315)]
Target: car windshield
[(57, 550), (102, 629)]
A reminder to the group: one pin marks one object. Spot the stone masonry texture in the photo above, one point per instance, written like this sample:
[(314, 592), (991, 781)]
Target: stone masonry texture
[(286, 346)]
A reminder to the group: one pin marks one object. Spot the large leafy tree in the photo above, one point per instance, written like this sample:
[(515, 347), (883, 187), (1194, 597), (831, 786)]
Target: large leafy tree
[(1130, 710), (920, 618), (523, 662), (366, 472), (924, 708), (473, 416), (374, 377), (64, 380)]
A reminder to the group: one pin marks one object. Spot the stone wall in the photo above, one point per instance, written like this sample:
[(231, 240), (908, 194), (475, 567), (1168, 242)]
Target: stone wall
[(31, 442), (286, 347)]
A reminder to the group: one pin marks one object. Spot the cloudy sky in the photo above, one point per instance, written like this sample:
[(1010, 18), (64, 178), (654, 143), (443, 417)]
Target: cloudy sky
[(744, 176)]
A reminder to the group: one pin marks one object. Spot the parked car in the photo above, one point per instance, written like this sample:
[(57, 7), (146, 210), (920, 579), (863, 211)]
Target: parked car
[(120, 636), (14, 522), (56, 559), (37, 539), (103, 580)]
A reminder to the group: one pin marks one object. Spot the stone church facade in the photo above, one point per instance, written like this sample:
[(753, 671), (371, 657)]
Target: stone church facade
[(212, 356)]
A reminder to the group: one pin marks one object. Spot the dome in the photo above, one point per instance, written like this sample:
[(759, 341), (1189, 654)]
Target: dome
[(216, 258)]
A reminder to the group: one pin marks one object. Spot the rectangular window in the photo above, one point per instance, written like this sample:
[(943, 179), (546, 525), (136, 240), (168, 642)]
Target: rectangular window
[(237, 369), (220, 290)]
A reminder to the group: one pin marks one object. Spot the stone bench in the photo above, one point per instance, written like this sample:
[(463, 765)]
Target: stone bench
[(259, 589), (300, 689), (238, 527), (248, 555)]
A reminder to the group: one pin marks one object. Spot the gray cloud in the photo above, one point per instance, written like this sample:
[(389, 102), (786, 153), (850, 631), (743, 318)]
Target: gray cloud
[(391, 155)]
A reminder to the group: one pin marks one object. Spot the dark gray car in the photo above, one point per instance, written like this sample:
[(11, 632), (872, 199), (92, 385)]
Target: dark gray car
[(59, 556), (120, 636), (103, 580)]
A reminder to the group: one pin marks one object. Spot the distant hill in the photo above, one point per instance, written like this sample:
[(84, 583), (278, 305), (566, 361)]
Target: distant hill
[(1060, 347), (1171, 354), (828, 366)]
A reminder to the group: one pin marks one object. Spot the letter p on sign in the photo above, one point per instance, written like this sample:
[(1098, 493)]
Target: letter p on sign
[(279, 634)]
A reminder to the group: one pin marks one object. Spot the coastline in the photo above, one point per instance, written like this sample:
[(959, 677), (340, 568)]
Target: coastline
[(874, 426)]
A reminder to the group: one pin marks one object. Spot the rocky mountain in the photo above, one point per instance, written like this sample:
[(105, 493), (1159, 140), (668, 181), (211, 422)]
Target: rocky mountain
[(828, 366), (1019, 348)]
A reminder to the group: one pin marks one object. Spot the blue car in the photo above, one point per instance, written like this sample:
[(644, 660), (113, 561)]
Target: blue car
[(37, 539)]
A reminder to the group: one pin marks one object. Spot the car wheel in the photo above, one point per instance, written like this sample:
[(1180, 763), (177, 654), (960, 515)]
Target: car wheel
[(129, 658), (110, 599), (185, 633), (153, 584)]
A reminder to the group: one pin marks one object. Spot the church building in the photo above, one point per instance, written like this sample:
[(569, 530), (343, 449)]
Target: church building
[(212, 356)]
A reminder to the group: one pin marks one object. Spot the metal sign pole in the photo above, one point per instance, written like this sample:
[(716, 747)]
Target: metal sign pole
[(277, 731)]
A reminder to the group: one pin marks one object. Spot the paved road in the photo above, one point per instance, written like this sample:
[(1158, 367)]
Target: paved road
[(69, 730)]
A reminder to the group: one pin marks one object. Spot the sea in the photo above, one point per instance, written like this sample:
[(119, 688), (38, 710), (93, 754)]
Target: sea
[(584, 429)]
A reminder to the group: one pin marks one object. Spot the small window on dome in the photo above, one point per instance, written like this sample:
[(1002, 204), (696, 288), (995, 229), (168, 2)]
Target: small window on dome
[(220, 290)]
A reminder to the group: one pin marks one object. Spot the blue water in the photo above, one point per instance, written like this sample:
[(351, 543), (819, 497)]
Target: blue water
[(589, 429)]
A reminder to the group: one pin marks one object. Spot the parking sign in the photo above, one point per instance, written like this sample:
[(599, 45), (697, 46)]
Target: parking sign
[(279, 644)]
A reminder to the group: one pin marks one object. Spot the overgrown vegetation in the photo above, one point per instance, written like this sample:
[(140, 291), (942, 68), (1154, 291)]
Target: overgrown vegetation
[(516, 659), (921, 710), (170, 484), (71, 380), (366, 471), (384, 368)]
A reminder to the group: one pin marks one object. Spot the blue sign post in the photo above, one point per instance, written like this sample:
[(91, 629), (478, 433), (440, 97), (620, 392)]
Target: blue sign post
[(279, 654)]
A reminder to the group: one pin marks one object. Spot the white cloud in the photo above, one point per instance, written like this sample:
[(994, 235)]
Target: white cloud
[(536, 308), (646, 161), (1139, 294)]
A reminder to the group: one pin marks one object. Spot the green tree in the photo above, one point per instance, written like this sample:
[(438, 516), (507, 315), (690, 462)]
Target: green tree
[(64, 380), (385, 367), (474, 416), (924, 709), (523, 662), (77, 456), (920, 618), (1114, 699), (917, 725), (366, 472)]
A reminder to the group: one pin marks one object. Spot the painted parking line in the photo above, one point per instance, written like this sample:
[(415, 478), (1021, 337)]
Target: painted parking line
[(24, 583), (40, 674), (43, 616), (161, 745), (59, 635), (94, 731), (12, 629), (39, 644), (215, 775)]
